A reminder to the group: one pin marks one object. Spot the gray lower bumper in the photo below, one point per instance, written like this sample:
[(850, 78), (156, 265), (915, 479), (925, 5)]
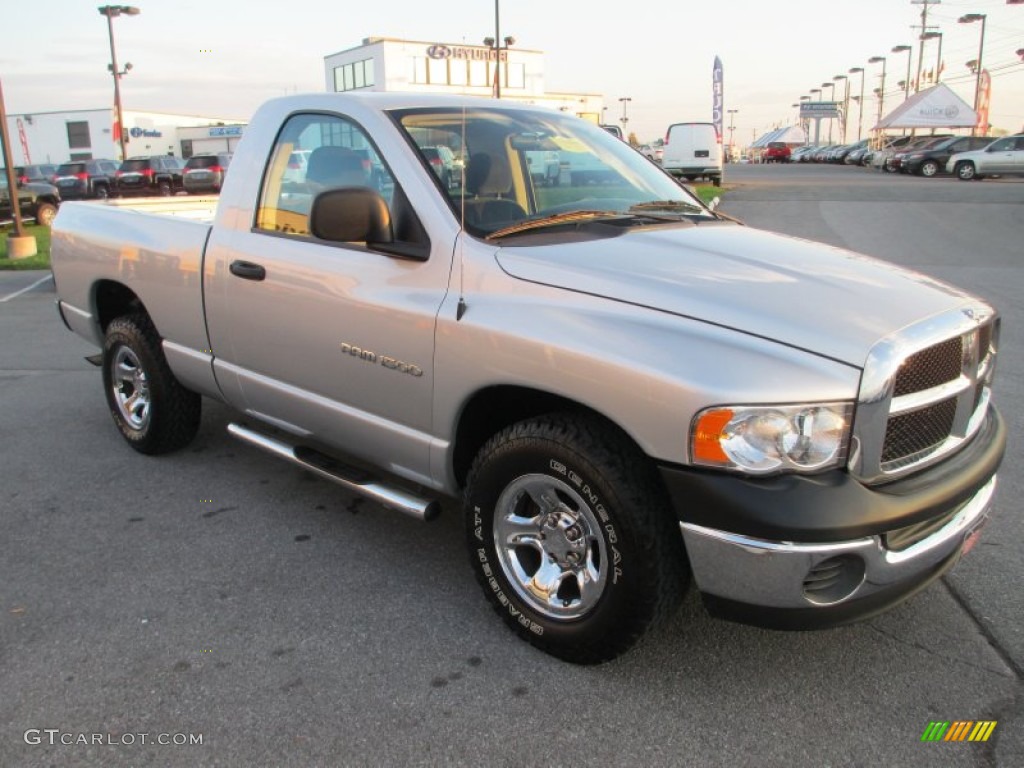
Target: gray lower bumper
[(778, 574)]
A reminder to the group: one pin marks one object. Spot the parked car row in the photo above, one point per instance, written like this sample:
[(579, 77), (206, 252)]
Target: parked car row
[(966, 157)]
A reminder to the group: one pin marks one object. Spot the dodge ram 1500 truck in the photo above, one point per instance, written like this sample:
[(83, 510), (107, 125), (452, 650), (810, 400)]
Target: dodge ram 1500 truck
[(627, 389)]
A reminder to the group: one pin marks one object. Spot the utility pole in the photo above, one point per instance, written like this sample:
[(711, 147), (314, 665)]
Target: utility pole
[(19, 244), (924, 30)]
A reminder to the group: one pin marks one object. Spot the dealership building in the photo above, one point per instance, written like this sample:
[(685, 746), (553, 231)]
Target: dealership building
[(388, 64), (379, 64), (56, 137)]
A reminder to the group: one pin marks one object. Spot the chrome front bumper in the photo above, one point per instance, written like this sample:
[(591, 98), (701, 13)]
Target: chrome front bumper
[(788, 575)]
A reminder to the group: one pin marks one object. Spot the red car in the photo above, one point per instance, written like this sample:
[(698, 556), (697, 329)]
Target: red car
[(776, 152)]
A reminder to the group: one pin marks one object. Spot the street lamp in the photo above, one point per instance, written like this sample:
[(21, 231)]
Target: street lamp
[(495, 44), (832, 98), (732, 119), (969, 18), (846, 100), (817, 91), (110, 11), (624, 119), (910, 54), (860, 100), (881, 88)]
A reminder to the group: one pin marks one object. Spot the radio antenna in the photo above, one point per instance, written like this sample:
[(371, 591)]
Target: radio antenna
[(461, 308)]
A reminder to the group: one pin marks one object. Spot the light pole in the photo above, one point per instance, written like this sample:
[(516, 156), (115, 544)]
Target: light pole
[(881, 89), (860, 100), (110, 11), (910, 54), (938, 57), (495, 43), (732, 120), (969, 18), (846, 101), (832, 98), (625, 100)]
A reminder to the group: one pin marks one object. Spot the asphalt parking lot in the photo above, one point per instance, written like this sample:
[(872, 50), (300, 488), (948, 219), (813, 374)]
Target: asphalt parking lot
[(221, 593)]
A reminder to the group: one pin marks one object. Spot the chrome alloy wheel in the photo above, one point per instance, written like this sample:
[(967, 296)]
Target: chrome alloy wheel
[(131, 388), (550, 546)]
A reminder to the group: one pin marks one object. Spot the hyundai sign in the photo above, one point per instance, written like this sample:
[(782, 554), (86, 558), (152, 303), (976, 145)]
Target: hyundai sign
[(819, 109)]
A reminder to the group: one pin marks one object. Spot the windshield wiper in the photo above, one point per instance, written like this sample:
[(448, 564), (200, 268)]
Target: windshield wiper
[(553, 220), (667, 205)]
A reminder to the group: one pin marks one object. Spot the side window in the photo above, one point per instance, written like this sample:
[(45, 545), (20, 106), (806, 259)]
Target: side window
[(1003, 145), (312, 154)]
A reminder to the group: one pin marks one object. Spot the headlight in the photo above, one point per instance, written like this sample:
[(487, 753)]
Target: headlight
[(777, 438)]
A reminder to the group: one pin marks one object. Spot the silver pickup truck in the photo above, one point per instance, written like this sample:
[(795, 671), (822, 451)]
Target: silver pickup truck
[(627, 389)]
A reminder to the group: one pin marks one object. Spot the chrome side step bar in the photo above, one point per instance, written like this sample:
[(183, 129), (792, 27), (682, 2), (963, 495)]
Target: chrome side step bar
[(347, 477)]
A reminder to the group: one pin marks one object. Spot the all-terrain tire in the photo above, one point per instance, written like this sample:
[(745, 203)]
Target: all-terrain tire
[(150, 407), (571, 536)]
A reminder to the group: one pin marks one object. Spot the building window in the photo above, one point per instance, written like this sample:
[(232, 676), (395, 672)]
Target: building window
[(516, 75), (349, 77), (458, 72), (478, 73), (186, 148), (437, 71), (78, 135), (419, 70)]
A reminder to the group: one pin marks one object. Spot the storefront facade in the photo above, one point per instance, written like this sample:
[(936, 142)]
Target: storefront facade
[(388, 64), (57, 137)]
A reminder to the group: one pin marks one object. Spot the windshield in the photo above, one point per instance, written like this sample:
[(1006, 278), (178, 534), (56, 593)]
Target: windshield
[(524, 169)]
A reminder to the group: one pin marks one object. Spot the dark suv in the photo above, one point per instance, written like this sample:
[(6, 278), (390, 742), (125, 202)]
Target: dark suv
[(83, 179), (36, 200), (205, 173), (156, 175), (26, 173), (932, 160)]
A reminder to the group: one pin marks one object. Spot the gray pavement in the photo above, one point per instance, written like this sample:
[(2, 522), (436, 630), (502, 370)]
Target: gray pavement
[(220, 592)]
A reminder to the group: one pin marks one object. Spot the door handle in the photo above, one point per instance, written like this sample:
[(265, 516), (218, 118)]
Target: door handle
[(247, 270)]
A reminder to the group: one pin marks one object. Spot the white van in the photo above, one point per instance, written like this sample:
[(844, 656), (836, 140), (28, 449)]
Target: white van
[(692, 150)]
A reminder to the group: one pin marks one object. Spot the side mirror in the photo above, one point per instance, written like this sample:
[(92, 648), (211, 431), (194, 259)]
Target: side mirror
[(350, 214), (715, 202)]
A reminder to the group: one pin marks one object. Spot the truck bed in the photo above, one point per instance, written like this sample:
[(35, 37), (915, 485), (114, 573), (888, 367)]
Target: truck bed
[(154, 245)]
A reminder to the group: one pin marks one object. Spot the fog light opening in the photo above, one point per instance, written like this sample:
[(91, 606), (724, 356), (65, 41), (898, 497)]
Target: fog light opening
[(833, 580)]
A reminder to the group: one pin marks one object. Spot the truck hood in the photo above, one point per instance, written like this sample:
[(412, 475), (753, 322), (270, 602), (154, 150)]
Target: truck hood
[(816, 297)]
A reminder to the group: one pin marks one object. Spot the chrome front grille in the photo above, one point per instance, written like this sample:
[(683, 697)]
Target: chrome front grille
[(908, 434), (930, 367), (924, 393)]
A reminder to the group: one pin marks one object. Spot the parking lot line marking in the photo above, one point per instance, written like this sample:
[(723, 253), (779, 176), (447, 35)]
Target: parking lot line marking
[(14, 295)]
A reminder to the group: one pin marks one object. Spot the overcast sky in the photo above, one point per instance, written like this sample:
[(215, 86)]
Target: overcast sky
[(224, 57)]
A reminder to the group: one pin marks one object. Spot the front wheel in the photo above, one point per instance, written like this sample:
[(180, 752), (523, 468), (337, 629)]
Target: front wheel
[(965, 171), (152, 410), (164, 189), (571, 537), (929, 168)]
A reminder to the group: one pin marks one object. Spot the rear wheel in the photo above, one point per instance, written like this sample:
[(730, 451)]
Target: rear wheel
[(929, 168), (571, 537), (152, 410), (163, 188), (965, 171), (102, 193)]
